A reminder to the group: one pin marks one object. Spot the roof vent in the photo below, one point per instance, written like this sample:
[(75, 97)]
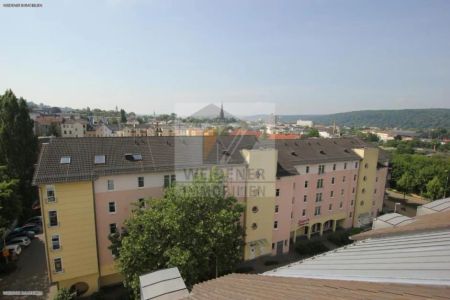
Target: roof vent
[(225, 152), (65, 160), (294, 154), (322, 152), (346, 151), (133, 157), (99, 159)]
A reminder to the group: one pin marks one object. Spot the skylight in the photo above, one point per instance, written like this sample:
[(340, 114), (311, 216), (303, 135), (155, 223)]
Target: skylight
[(99, 159), (65, 160)]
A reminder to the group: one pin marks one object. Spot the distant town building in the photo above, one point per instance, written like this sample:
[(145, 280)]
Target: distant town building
[(305, 123), (73, 128)]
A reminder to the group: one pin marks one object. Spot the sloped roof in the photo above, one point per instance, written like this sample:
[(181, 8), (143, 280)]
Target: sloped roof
[(260, 287), (412, 258), (311, 151), (424, 223), (163, 284), (438, 205), (159, 154)]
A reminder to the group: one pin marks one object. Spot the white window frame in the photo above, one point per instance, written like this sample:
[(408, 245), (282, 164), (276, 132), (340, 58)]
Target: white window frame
[(109, 207), (54, 265), (47, 189), (59, 242), (110, 184), (49, 219)]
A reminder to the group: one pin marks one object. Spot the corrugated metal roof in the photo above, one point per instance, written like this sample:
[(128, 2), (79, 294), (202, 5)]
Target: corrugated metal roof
[(415, 258)]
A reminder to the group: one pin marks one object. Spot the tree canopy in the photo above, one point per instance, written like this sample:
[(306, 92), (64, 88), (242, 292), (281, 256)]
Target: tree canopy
[(195, 227)]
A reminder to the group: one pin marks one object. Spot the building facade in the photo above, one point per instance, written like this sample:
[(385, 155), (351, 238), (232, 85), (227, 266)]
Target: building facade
[(291, 189)]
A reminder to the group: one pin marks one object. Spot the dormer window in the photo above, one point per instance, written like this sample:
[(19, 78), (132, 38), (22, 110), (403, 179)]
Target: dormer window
[(133, 156), (65, 160), (99, 159)]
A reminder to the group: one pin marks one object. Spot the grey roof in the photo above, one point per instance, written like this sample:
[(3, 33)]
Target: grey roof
[(438, 205), (159, 154), (392, 219), (163, 284), (293, 152), (414, 258)]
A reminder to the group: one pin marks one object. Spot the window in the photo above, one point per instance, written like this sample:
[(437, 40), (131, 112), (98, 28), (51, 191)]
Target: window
[(254, 209), (334, 167), (55, 242), (351, 203), (364, 178), (273, 246), (375, 191), (345, 166), (169, 180), (305, 198), (330, 207), (50, 193), (254, 226), (65, 160), (53, 218), (277, 192), (332, 180), (342, 192), (350, 214), (140, 181), (356, 165), (376, 179), (304, 212), (343, 179), (318, 197), (320, 183), (361, 203), (99, 159), (57, 263), (363, 190), (275, 225), (353, 190), (317, 211), (321, 169), (112, 228), (141, 203), (373, 203), (110, 184), (285, 242), (340, 204), (306, 183), (276, 208), (354, 177), (366, 165), (112, 207), (293, 200), (293, 185), (307, 169), (292, 215), (331, 194), (133, 157)]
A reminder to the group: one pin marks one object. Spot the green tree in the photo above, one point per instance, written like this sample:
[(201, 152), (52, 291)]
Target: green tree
[(313, 132), (54, 130), (435, 189), (405, 183), (123, 116), (18, 145), (195, 227), (10, 204)]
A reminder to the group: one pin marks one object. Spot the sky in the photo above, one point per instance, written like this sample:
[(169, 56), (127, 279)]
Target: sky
[(288, 57)]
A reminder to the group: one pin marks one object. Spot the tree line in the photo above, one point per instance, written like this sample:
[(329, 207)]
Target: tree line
[(420, 174)]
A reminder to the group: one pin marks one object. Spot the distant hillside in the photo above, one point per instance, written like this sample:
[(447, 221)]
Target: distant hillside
[(406, 118)]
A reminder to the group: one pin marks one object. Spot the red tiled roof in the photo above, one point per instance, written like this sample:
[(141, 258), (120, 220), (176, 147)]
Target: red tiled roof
[(261, 287)]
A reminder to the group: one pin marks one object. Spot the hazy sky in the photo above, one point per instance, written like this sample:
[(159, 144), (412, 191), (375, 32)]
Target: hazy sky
[(301, 57)]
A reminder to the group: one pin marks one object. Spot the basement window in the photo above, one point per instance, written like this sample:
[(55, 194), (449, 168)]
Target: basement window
[(65, 160)]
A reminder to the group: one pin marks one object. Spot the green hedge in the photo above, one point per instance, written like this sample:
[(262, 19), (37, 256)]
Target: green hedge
[(310, 247)]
